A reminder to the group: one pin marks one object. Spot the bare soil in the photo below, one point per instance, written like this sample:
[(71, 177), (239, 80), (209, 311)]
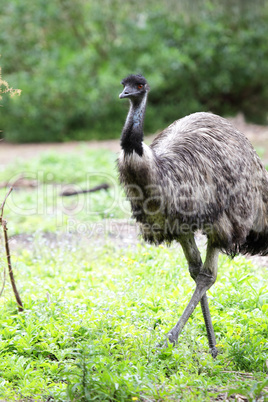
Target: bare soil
[(10, 152), (257, 134)]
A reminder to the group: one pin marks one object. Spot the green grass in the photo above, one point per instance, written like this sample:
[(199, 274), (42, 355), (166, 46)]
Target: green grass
[(93, 318), (43, 208), (95, 312)]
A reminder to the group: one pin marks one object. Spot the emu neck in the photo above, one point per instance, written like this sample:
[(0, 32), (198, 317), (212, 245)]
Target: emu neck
[(132, 134)]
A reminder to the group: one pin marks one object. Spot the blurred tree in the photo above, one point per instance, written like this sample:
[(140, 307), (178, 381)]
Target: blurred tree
[(69, 57)]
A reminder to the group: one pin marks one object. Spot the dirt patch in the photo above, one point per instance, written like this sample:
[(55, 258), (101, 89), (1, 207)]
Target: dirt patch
[(257, 134), (116, 233), (10, 152)]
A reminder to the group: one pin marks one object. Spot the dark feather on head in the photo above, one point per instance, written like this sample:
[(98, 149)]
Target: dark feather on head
[(134, 79)]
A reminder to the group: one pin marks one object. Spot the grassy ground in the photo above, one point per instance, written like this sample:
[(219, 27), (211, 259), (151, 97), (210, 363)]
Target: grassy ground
[(41, 208), (94, 311)]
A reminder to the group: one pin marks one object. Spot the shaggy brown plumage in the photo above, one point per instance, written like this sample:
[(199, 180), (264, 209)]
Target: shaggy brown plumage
[(200, 173)]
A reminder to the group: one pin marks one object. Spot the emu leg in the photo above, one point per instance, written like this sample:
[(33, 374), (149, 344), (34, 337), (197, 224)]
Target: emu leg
[(195, 265), (204, 277), (203, 282), (209, 326)]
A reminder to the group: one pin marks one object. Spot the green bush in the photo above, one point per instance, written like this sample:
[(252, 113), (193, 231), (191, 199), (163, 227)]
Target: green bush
[(215, 64), (69, 57)]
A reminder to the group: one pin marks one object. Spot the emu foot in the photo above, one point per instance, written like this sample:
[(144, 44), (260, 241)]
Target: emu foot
[(172, 338), (162, 345), (214, 352), (166, 342)]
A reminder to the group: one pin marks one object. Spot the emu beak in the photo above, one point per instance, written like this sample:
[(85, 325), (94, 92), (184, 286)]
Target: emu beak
[(124, 94)]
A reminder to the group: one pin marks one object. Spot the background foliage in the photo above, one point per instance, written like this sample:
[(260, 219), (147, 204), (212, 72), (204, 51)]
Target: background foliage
[(69, 57)]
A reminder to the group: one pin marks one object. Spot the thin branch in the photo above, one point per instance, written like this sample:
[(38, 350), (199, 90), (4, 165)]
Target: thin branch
[(3, 204), (4, 281), (3, 222), (70, 191), (247, 375), (10, 270), (1, 219)]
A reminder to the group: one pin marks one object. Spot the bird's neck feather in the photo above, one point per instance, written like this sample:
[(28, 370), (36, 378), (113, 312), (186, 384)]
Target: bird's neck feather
[(132, 134)]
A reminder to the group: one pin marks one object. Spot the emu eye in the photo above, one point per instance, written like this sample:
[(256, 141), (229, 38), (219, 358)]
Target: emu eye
[(140, 86)]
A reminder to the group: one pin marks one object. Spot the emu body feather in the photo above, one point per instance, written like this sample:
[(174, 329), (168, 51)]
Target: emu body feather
[(200, 173)]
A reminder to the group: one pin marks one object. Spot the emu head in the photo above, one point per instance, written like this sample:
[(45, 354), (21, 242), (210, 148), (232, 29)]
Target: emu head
[(135, 87)]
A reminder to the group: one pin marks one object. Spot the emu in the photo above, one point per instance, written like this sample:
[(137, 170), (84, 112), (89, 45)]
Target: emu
[(200, 173)]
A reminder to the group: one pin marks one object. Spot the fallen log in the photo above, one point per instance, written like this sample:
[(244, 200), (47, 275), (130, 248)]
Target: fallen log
[(71, 191)]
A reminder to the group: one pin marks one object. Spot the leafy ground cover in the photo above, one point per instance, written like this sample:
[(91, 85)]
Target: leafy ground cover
[(94, 312), (93, 318)]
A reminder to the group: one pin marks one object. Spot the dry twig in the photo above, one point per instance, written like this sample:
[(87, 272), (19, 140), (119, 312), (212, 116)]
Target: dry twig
[(71, 191), (3, 223), (4, 281)]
